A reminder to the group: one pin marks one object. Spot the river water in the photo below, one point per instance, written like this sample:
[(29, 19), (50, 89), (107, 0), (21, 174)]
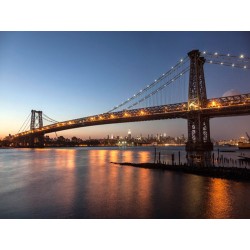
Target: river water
[(82, 183)]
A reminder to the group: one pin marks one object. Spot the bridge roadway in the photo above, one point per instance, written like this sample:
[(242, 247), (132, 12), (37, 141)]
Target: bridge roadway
[(217, 107)]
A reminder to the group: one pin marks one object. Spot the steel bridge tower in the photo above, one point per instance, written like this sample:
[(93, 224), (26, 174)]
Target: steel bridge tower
[(36, 119), (36, 122), (198, 122)]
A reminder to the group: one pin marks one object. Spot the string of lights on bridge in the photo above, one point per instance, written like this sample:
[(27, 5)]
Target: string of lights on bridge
[(171, 71), (233, 61), (161, 87)]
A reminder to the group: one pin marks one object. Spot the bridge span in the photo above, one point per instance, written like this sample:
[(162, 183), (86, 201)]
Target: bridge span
[(197, 110), (237, 105)]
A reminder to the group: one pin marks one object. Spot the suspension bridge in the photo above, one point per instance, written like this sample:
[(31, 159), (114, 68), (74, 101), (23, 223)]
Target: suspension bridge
[(167, 97)]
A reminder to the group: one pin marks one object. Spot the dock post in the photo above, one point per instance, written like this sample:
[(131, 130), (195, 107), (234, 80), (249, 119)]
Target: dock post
[(155, 156)]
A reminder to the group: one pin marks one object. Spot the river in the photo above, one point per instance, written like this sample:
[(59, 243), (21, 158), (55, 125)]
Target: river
[(82, 183)]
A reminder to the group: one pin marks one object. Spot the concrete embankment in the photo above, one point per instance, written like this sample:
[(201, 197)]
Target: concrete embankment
[(232, 173)]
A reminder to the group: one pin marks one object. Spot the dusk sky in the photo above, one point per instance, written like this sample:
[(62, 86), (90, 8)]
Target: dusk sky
[(70, 75)]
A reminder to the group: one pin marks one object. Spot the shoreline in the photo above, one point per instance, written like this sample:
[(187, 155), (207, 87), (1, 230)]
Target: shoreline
[(230, 173)]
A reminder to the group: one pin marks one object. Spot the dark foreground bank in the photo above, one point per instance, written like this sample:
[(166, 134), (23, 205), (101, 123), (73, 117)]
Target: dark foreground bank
[(232, 173)]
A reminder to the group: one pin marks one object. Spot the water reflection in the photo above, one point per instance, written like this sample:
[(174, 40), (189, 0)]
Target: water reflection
[(97, 157), (65, 158), (52, 185), (113, 156), (127, 156), (144, 156), (118, 192), (144, 193), (219, 202), (82, 183)]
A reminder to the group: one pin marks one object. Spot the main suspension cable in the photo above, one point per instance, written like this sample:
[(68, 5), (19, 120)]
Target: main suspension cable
[(241, 61), (159, 79), (161, 87), (49, 119)]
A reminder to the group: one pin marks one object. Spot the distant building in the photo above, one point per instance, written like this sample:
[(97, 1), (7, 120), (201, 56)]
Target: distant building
[(129, 135)]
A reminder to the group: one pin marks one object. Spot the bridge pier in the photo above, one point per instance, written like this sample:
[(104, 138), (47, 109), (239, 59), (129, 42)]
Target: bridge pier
[(36, 141), (199, 145), (30, 142)]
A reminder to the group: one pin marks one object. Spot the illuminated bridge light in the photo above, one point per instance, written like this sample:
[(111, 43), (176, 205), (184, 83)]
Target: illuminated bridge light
[(241, 56), (233, 65), (245, 67), (142, 112), (216, 53)]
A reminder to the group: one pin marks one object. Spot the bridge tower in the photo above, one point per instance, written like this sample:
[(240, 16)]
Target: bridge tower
[(198, 122), (36, 119), (36, 122)]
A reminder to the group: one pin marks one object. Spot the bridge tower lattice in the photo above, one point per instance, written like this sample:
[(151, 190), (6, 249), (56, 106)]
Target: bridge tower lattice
[(36, 119), (198, 122), (36, 122)]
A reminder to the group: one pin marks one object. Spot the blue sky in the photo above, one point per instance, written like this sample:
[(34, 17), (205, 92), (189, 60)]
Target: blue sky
[(75, 74)]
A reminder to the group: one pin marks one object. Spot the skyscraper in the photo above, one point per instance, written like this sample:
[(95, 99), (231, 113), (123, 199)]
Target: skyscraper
[(129, 135)]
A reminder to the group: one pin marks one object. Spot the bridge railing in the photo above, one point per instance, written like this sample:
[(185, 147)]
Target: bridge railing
[(229, 101)]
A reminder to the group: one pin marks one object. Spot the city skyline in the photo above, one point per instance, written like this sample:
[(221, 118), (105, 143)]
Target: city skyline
[(87, 73)]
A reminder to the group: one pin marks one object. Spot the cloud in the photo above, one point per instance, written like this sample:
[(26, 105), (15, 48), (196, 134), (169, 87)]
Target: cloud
[(231, 92)]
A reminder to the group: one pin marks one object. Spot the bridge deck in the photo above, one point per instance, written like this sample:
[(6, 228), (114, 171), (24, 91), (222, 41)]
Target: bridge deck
[(217, 107)]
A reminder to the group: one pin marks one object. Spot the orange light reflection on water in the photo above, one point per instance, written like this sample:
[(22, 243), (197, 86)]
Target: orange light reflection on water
[(65, 158), (144, 192), (111, 182), (144, 156), (66, 161), (127, 156), (219, 199), (113, 156), (97, 157)]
